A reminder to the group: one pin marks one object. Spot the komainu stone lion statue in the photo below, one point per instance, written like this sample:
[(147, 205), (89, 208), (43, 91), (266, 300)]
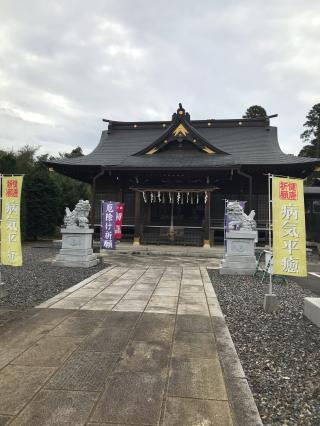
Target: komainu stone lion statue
[(237, 219), (79, 216)]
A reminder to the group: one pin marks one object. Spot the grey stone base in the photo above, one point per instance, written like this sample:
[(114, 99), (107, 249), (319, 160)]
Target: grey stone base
[(240, 265), (77, 263), (76, 251), (77, 256), (312, 309), (237, 271), (270, 302), (3, 290)]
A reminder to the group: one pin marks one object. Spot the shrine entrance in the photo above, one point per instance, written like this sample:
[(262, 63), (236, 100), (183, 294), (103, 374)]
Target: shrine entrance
[(178, 214), (174, 216)]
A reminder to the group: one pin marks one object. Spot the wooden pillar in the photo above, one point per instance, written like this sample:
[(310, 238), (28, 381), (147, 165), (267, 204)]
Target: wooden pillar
[(137, 218), (93, 197), (206, 224)]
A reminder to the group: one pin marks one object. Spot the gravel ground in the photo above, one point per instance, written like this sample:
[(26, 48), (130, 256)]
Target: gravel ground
[(38, 280), (280, 352)]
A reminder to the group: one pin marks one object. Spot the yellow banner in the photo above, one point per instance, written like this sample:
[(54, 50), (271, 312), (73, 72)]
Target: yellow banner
[(11, 253), (288, 224)]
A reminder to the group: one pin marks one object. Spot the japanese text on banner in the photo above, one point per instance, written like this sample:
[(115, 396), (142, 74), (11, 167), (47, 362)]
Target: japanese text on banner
[(288, 224), (118, 224), (11, 253), (108, 220)]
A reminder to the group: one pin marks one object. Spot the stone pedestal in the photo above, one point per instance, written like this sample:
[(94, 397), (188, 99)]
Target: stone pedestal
[(76, 248), (240, 255), (270, 302), (3, 290), (312, 309)]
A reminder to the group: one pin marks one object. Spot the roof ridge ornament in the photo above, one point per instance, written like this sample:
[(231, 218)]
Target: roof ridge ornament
[(181, 110), (181, 114)]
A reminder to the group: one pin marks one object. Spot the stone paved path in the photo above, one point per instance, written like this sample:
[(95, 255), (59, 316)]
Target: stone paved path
[(128, 346)]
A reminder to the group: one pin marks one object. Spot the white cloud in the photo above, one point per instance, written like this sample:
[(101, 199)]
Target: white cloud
[(65, 65)]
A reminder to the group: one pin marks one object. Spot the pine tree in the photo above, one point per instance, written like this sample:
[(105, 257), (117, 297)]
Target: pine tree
[(311, 136), (255, 111)]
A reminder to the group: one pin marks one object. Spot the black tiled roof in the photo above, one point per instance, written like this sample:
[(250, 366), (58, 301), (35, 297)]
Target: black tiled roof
[(185, 144), (243, 145)]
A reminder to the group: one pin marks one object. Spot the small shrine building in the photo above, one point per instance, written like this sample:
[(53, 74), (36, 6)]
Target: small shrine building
[(174, 176)]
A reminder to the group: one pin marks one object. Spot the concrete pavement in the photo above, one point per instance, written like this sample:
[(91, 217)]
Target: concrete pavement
[(139, 345)]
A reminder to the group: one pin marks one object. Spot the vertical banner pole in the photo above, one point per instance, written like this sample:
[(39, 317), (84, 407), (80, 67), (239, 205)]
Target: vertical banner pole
[(225, 224), (270, 235), (0, 227)]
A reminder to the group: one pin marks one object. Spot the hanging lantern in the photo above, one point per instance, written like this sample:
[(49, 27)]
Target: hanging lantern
[(197, 197), (151, 197), (144, 196), (159, 196), (170, 198), (178, 198)]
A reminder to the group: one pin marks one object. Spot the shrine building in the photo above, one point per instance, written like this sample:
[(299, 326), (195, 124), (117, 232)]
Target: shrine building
[(174, 176)]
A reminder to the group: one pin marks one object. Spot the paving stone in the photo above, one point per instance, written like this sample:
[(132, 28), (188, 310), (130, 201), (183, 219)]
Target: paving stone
[(83, 371), (107, 424), (23, 333), (18, 384), (133, 398), (49, 317), (8, 353), (214, 307), (115, 290), (189, 309), (194, 345), (138, 295), (166, 291), (51, 407), (76, 326), (192, 289), (191, 412), (162, 304), (161, 309), (196, 378), (110, 340), (193, 324), (90, 315), (143, 287), (155, 328), (120, 320), (85, 293), (109, 297), (144, 357), (245, 412), (4, 420), (50, 351), (98, 305), (70, 303), (50, 302), (169, 284), (193, 298), (123, 282), (130, 305)]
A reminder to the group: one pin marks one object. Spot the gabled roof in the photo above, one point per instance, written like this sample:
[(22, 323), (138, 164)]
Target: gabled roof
[(218, 144), (181, 130)]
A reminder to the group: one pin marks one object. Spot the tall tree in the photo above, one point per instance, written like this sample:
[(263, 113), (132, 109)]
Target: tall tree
[(255, 111), (45, 194), (42, 202), (311, 136)]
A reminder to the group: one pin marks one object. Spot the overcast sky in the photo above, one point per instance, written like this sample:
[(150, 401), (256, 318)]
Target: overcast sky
[(65, 65)]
